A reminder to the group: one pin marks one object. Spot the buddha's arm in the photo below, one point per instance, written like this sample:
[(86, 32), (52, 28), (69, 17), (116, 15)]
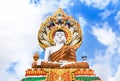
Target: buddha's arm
[(47, 53)]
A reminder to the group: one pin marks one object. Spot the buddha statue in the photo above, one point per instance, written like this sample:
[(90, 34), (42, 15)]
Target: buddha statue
[(61, 55), (60, 36)]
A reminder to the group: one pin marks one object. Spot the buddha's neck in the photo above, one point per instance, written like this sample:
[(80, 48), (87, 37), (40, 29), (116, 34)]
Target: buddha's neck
[(59, 44)]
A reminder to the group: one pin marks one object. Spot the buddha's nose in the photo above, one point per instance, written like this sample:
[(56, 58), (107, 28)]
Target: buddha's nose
[(59, 36)]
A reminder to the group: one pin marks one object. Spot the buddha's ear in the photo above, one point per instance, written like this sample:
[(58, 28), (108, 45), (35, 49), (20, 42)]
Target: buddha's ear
[(54, 40), (65, 40)]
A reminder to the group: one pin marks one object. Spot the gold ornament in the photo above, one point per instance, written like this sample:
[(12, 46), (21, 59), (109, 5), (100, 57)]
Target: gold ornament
[(59, 20)]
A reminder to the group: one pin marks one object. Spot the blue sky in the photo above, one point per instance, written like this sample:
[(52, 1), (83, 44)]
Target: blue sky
[(20, 21)]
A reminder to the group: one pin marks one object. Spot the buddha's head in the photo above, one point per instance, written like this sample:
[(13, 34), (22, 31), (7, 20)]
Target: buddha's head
[(59, 37)]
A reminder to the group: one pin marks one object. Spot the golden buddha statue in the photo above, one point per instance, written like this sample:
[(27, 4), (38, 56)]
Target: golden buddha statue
[(60, 35)]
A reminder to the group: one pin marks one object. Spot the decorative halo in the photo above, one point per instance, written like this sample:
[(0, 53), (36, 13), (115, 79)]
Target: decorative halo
[(67, 34), (60, 21)]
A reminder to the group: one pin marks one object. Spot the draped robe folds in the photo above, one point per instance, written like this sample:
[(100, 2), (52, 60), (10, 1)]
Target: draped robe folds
[(66, 53)]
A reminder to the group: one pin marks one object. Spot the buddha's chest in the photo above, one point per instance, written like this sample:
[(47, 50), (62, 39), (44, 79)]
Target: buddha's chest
[(54, 49)]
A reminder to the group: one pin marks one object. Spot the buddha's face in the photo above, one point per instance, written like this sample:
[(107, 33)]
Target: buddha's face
[(59, 37)]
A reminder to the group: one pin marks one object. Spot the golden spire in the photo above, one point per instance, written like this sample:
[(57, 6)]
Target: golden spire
[(59, 11)]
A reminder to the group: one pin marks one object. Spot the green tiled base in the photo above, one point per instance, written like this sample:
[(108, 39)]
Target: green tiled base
[(80, 78), (34, 79), (86, 78)]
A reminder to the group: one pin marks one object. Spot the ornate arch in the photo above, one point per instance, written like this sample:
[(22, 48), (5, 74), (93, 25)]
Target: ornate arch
[(59, 20)]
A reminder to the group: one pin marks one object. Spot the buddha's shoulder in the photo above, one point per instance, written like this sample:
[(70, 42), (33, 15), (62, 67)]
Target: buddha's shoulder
[(66, 46), (51, 47)]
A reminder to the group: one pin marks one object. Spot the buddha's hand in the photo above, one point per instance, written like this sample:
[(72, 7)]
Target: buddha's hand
[(55, 62), (39, 61), (63, 62)]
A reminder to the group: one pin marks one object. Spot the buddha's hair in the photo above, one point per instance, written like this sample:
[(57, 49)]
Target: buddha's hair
[(59, 30)]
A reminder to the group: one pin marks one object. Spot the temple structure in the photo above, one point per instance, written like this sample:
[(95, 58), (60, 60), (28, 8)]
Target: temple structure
[(60, 36)]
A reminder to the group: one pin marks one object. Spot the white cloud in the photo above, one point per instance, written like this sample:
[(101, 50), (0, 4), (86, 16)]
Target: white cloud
[(19, 25), (104, 61), (100, 4), (117, 75), (82, 21), (104, 35), (115, 1), (106, 14), (102, 71), (117, 18)]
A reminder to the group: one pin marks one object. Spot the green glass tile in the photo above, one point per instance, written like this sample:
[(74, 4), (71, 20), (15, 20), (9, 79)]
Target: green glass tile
[(34, 79), (87, 78)]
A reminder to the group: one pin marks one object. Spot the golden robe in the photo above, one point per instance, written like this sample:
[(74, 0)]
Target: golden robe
[(66, 53)]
